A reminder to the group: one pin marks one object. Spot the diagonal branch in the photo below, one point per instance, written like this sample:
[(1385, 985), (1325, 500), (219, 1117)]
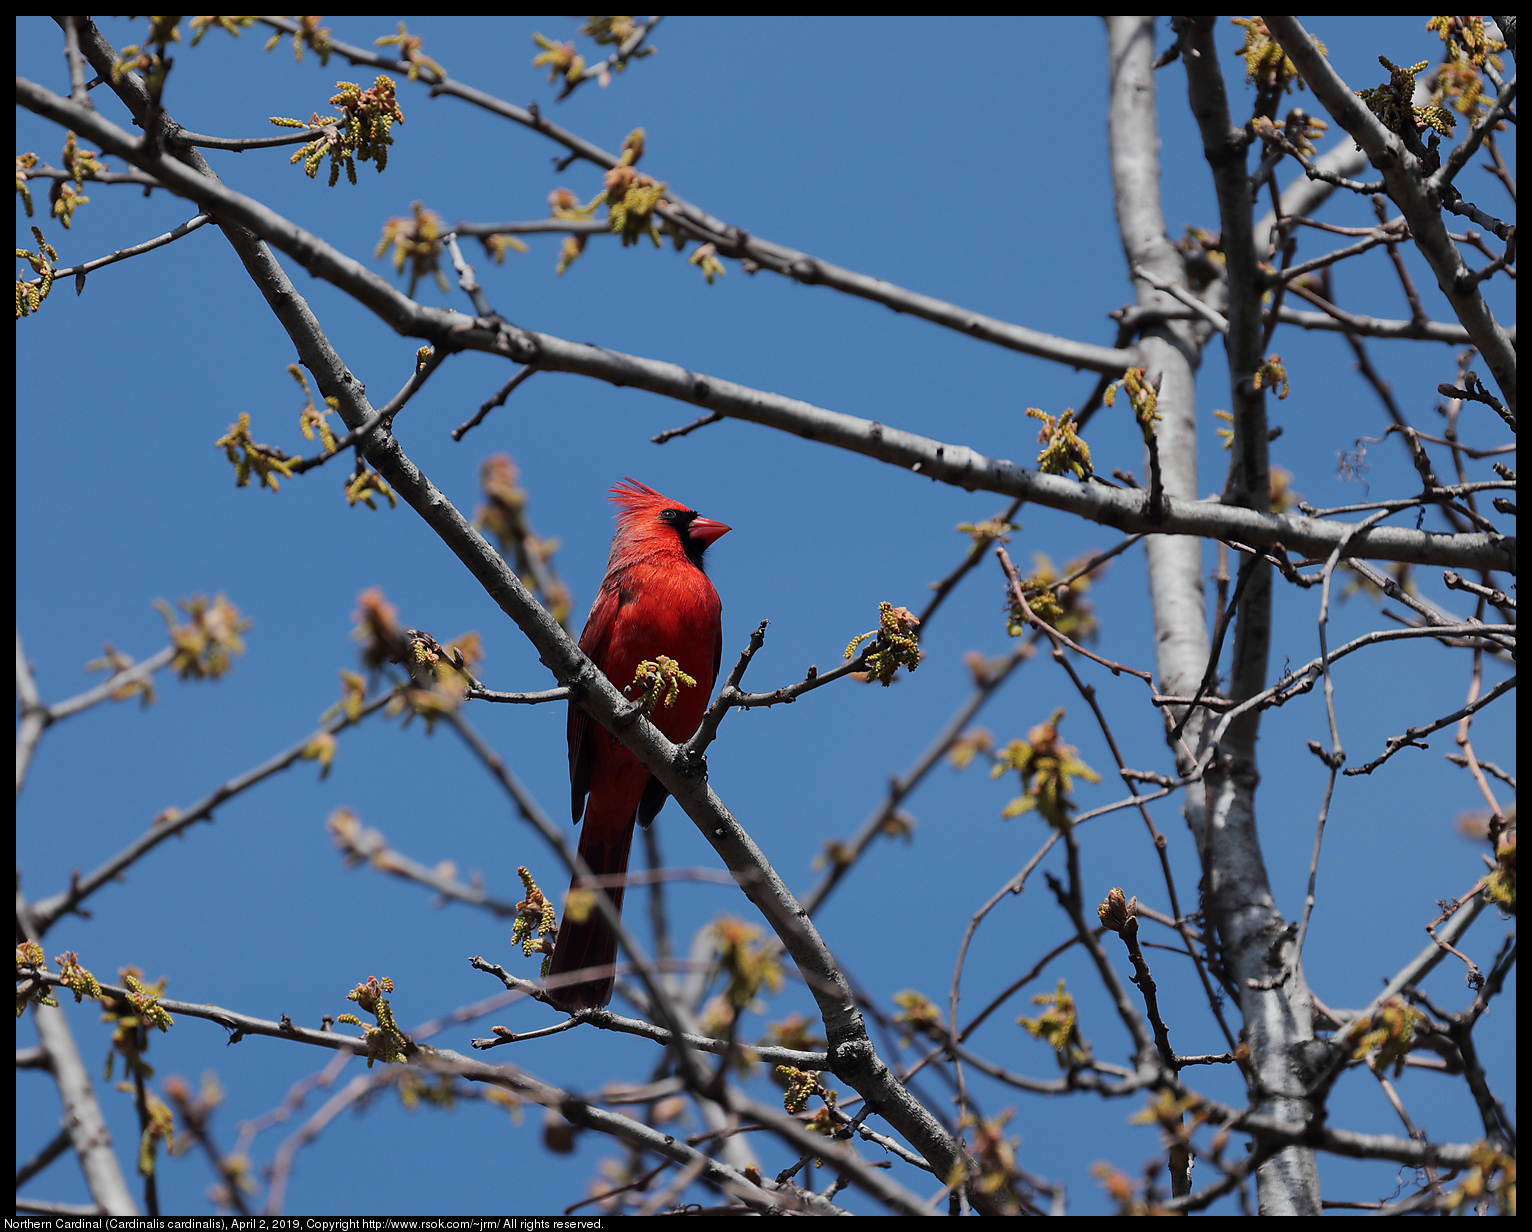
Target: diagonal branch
[(735, 242), (47, 912), (1418, 199), (855, 1058)]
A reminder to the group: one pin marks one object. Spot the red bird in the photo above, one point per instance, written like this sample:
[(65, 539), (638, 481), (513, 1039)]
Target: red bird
[(655, 600)]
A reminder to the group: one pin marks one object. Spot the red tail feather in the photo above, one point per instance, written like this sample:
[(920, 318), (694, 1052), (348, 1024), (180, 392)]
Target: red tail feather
[(591, 946)]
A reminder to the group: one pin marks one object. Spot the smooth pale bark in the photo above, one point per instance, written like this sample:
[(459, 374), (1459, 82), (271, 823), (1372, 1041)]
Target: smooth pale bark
[(1171, 353), (88, 1134), (1256, 945)]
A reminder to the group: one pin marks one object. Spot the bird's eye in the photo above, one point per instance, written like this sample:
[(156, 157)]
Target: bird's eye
[(669, 515)]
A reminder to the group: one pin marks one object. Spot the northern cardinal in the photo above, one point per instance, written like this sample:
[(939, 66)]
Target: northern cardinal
[(655, 600)]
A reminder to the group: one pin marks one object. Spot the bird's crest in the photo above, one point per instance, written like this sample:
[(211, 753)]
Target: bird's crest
[(632, 497)]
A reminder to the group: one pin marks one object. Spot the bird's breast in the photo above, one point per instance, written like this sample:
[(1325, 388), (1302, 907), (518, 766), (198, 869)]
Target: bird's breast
[(675, 616)]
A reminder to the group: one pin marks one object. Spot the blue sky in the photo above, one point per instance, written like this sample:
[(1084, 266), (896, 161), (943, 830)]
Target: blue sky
[(963, 158)]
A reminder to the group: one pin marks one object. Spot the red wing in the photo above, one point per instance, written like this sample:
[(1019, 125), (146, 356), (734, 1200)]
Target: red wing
[(595, 642)]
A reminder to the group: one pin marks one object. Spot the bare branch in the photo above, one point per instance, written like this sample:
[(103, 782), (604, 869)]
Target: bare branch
[(88, 1134), (1418, 199), (735, 242), (955, 464), (48, 912), (1412, 736)]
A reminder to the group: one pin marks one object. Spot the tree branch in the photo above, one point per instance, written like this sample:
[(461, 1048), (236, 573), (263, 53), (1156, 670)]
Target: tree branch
[(735, 242), (1418, 199), (954, 464)]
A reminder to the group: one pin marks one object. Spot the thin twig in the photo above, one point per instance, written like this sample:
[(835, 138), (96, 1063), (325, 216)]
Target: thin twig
[(240, 144), (504, 392), (711, 417), (1213, 317), (78, 272), (1014, 581), (50, 910), (1412, 735)]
